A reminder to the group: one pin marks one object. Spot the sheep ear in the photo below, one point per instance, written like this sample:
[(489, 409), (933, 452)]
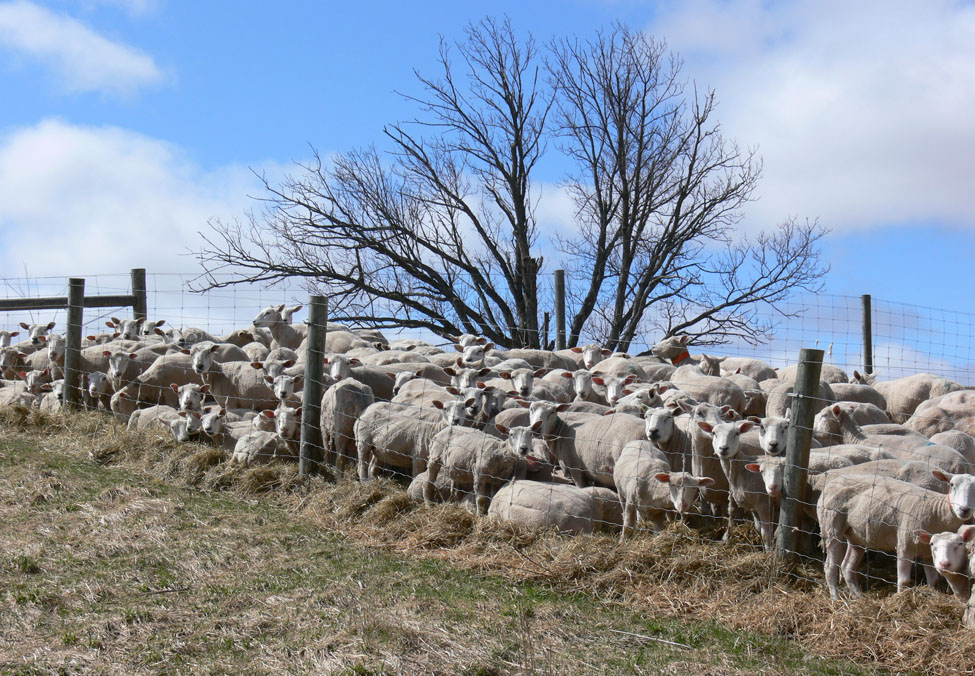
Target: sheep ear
[(453, 390), (941, 475), (561, 408), (753, 467), (506, 375), (459, 348), (705, 426), (577, 350), (662, 477), (540, 373), (610, 411), (483, 372), (110, 325), (566, 374), (744, 426), (537, 427), (174, 387), (704, 481), (438, 404), (50, 325), (257, 364), (268, 379), (924, 537), (25, 325), (449, 371), (106, 353), (205, 389), (523, 403), (599, 381), (504, 430), (288, 364), (967, 533)]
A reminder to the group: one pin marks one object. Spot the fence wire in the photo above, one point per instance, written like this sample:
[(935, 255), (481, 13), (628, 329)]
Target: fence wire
[(624, 444)]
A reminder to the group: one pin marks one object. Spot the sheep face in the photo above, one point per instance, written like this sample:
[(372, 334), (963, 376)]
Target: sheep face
[(493, 401), (401, 379), (98, 384), (284, 386), (5, 337), (670, 348), (55, 349), (615, 387), (582, 383), (287, 423), (520, 441), (726, 437), (36, 331), (269, 317), (961, 493), (684, 488), (948, 551), (522, 380), (472, 356), (128, 329), (191, 396), (340, 366), (186, 426), (659, 424), (212, 421), (543, 415), (593, 354), (772, 433), (453, 412)]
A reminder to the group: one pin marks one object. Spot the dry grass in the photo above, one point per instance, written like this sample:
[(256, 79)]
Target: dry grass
[(681, 574)]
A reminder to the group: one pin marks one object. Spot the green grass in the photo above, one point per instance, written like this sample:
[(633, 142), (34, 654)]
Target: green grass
[(107, 569)]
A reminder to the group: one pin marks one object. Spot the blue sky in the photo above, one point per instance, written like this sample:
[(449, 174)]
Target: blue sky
[(126, 124)]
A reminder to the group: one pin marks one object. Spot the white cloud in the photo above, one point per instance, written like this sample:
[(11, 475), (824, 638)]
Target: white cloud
[(134, 7), (860, 110), (82, 59), (77, 200)]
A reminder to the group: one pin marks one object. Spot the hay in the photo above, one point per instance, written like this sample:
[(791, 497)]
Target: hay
[(681, 573)]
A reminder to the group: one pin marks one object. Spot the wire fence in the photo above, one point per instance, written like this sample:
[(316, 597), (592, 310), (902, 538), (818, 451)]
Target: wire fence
[(580, 441)]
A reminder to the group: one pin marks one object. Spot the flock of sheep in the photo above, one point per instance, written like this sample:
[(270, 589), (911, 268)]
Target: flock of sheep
[(579, 439)]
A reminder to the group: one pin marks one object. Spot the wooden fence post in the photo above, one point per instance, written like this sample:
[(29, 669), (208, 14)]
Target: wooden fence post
[(560, 309), (805, 396), (139, 307), (867, 335), (72, 349), (312, 448)]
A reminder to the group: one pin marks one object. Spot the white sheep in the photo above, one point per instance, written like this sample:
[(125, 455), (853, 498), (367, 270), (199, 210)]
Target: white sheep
[(284, 333), (565, 507), (342, 405), (477, 462), (857, 512), (648, 488)]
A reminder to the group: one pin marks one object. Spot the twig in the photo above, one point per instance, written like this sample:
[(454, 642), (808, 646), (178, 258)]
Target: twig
[(174, 590), (651, 638)]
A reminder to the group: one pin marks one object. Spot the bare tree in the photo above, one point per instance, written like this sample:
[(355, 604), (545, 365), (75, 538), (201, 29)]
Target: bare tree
[(438, 233), (659, 193)]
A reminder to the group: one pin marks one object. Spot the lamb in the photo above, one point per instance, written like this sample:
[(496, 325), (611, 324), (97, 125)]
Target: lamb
[(154, 416), (859, 512), (342, 405), (647, 487), (477, 462), (218, 352), (287, 425), (619, 367), (950, 556), (773, 435), (99, 390), (288, 389), (125, 366), (284, 334), (393, 435), (11, 362), (186, 338), (671, 435), (153, 385), (746, 488), (569, 509), (780, 398), (224, 428), (127, 329), (772, 469), (186, 426)]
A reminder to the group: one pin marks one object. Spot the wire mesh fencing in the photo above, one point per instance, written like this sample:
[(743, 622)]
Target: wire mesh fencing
[(580, 440)]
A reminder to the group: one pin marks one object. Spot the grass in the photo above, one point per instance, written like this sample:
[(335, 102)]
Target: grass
[(126, 553)]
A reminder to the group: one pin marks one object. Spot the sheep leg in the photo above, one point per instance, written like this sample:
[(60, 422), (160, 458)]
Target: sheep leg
[(905, 566), (433, 471), (364, 451), (831, 566), (629, 519), (931, 575), (960, 584), (854, 554)]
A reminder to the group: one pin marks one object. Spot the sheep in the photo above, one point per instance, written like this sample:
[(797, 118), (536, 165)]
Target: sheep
[(36, 331), (342, 405), (288, 389), (904, 395), (465, 377), (755, 398), (234, 384), (186, 426), (391, 434), (772, 469), (153, 386), (780, 398), (99, 390), (477, 462), (864, 394), (756, 369), (827, 428), (284, 334), (674, 350), (125, 365), (186, 338), (746, 488), (671, 435), (89, 359), (539, 359), (224, 428), (773, 435), (127, 329), (711, 389), (952, 411), (647, 486), (615, 386), (53, 401), (951, 560), (5, 337), (958, 440), (828, 374), (11, 362), (260, 447), (218, 352), (569, 509), (154, 416), (857, 512), (586, 451), (287, 425), (908, 447)]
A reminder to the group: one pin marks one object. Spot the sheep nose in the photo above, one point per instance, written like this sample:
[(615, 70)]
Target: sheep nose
[(964, 512), (654, 435)]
